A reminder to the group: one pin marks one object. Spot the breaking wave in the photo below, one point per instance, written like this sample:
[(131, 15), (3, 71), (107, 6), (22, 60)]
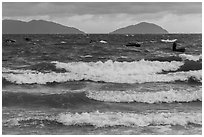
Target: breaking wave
[(174, 57), (44, 78), (118, 68), (111, 119), (146, 97), (191, 57), (116, 72)]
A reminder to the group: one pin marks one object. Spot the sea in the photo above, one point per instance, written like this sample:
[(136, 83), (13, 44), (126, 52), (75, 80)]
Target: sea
[(93, 84)]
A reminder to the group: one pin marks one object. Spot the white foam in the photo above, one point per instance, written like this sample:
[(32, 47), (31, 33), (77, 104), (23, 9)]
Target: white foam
[(108, 119), (146, 97), (168, 40), (115, 76), (119, 68), (41, 78), (191, 57), (129, 72)]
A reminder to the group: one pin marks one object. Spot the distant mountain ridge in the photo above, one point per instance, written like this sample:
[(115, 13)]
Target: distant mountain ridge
[(36, 27), (141, 28), (48, 27)]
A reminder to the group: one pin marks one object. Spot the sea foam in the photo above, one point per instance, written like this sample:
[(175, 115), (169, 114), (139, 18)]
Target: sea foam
[(116, 72), (111, 119), (43, 78), (191, 57), (119, 68), (146, 97)]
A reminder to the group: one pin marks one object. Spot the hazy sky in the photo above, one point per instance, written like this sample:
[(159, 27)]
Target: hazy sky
[(104, 17)]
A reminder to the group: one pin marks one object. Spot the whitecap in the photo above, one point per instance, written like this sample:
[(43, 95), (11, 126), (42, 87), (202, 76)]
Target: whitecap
[(144, 71), (190, 57), (43, 78), (109, 119), (119, 68), (146, 97)]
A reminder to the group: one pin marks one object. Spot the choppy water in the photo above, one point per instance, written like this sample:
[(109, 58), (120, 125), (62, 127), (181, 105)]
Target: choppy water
[(63, 84)]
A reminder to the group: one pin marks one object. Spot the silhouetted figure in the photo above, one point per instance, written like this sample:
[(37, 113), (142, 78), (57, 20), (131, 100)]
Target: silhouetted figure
[(177, 49), (130, 44), (174, 46)]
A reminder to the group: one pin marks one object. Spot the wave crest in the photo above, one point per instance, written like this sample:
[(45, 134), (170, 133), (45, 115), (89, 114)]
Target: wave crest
[(119, 68), (43, 78), (190, 57), (110, 119), (146, 97)]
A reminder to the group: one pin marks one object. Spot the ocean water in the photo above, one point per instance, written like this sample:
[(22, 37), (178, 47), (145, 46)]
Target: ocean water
[(63, 84)]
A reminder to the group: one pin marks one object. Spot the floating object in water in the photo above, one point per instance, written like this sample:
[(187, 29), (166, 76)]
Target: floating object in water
[(103, 41), (177, 49), (168, 40), (130, 44)]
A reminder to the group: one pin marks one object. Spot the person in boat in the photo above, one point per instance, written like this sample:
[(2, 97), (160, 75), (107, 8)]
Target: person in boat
[(177, 49)]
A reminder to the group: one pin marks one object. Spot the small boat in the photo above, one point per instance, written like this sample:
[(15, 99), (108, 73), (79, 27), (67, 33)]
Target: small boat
[(103, 41), (131, 44), (168, 40)]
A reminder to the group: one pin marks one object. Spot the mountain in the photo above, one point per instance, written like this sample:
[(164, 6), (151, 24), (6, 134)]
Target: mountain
[(36, 27), (141, 28)]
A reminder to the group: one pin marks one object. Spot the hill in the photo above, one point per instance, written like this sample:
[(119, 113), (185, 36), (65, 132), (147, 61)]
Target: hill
[(141, 28), (36, 27)]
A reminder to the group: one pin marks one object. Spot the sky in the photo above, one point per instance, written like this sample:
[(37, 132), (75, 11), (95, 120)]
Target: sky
[(105, 17)]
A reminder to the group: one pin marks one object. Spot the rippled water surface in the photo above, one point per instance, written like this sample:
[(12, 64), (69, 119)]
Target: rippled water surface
[(74, 84)]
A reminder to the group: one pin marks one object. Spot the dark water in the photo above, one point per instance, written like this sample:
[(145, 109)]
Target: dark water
[(65, 84)]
